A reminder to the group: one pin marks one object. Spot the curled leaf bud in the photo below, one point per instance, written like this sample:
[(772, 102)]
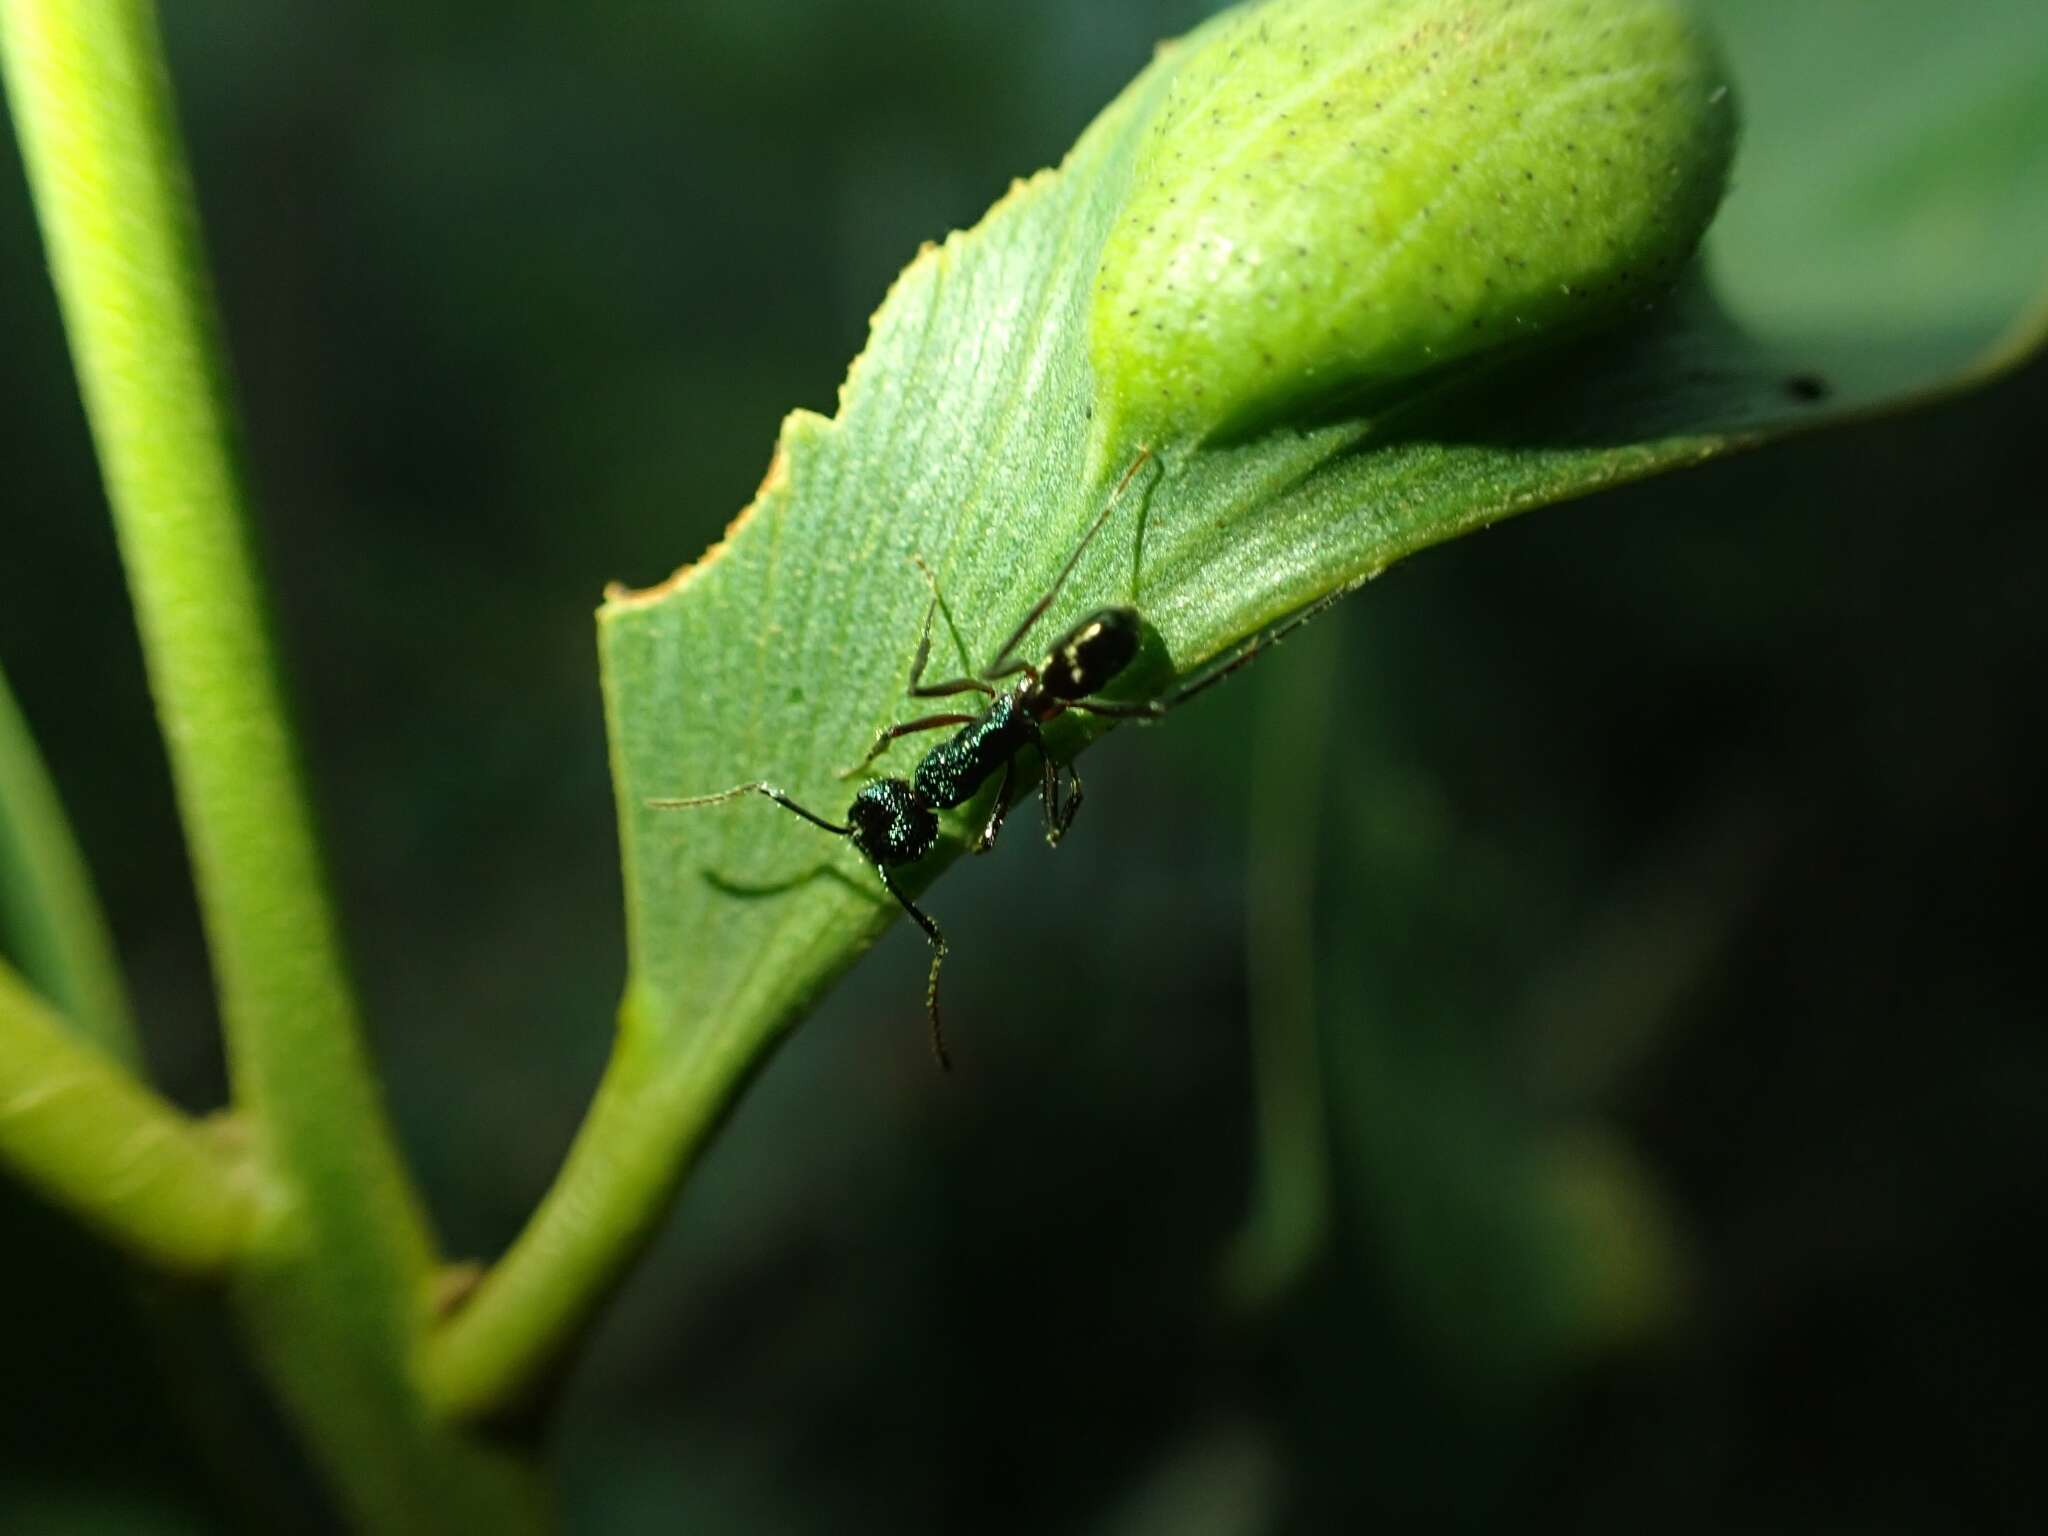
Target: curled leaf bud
[(1336, 196)]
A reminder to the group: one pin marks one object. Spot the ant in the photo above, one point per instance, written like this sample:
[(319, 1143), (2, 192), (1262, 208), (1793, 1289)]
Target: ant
[(894, 821), (1080, 663)]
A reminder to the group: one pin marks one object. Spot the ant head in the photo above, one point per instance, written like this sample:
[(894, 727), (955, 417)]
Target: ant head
[(1094, 651), (891, 823)]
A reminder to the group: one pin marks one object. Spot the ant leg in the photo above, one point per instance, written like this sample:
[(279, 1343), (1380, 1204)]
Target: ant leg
[(1057, 829), (757, 788), (1147, 711), (1154, 709), (1001, 666), (950, 686), (1058, 816), (918, 688), (997, 812), (905, 728), (931, 986), (1157, 709)]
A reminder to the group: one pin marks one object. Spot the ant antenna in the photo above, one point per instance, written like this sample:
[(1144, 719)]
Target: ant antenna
[(757, 788)]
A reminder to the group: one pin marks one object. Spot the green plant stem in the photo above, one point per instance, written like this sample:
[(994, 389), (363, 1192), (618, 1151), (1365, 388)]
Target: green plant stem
[(76, 1126), (87, 86), (48, 913), (649, 1119), (335, 1294)]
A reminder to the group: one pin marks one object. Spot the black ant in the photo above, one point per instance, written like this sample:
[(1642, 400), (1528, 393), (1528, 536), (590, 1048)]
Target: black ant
[(1081, 662), (894, 821)]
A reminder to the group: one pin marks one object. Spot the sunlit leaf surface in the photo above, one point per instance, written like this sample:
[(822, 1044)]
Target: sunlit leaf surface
[(1861, 261)]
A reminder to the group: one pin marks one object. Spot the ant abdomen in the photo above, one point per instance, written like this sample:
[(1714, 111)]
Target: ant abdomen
[(1091, 654)]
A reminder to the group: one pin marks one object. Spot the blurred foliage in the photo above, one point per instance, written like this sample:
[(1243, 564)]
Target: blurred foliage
[(1672, 858)]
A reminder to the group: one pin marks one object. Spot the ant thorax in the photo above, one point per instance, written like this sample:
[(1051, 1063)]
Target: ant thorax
[(951, 772)]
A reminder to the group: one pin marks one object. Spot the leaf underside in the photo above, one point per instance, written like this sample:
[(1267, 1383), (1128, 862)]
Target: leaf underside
[(964, 437)]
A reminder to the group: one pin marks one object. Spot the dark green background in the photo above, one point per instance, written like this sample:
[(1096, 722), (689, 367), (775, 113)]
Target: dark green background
[(1702, 817)]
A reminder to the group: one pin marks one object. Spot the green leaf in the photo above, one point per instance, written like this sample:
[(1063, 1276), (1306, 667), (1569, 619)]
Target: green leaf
[(963, 436), (972, 432)]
